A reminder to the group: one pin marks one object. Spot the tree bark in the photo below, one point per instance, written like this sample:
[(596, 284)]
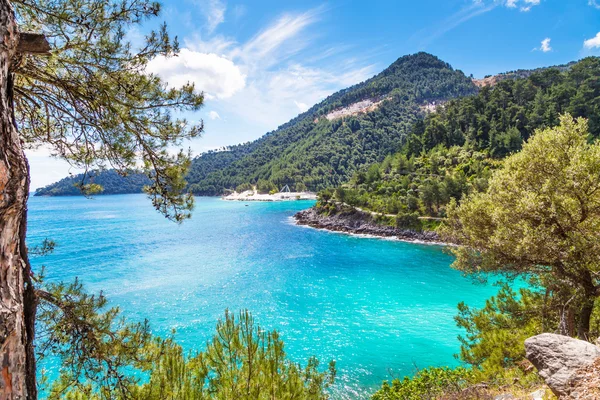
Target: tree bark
[(17, 364), (587, 307), (585, 315)]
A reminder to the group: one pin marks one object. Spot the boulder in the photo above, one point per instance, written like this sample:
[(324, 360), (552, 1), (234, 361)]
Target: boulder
[(559, 358), (538, 394)]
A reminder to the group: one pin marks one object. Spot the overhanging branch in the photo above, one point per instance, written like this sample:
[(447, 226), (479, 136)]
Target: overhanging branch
[(33, 43)]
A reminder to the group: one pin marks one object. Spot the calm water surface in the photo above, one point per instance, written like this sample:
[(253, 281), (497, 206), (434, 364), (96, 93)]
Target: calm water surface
[(377, 307)]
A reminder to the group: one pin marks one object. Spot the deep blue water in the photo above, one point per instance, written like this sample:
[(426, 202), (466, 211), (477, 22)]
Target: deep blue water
[(377, 307)]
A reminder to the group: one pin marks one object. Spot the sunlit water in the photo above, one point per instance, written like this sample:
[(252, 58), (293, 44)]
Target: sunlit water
[(379, 308)]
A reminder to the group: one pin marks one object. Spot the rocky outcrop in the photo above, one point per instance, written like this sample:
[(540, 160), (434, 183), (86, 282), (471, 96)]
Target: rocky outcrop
[(357, 222), (564, 362)]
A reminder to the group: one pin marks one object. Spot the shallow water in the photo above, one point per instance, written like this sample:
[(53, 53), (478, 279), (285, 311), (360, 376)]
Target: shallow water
[(377, 307)]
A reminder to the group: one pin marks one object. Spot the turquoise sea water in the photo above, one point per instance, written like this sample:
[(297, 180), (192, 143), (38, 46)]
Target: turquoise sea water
[(377, 307)]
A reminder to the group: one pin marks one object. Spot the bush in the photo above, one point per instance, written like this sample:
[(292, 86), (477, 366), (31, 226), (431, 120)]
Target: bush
[(242, 361), (495, 334), (263, 186), (406, 220), (243, 187), (428, 383)]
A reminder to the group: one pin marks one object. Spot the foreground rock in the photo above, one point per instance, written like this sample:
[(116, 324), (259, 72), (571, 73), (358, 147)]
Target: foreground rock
[(353, 221), (567, 365)]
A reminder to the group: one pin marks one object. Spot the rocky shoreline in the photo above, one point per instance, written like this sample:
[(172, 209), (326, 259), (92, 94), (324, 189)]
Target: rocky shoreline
[(360, 223)]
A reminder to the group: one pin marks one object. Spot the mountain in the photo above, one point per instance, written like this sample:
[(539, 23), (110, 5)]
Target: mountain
[(324, 146), (453, 151), (350, 129), (110, 180)]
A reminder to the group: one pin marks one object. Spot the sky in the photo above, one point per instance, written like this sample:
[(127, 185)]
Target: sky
[(262, 62)]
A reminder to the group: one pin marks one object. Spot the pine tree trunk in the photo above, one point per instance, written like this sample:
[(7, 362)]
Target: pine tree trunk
[(585, 315), (17, 367)]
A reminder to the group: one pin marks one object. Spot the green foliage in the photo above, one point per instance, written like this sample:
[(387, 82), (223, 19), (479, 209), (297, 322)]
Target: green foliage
[(263, 187), (495, 334), (96, 347), (409, 220), (427, 384), (540, 217), (104, 357), (320, 153), (91, 101), (242, 361), (415, 186), (452, 152), (300, 187), (499, 118), (243, 187)]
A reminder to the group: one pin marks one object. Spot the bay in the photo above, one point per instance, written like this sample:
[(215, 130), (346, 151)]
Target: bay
[(380, 308)]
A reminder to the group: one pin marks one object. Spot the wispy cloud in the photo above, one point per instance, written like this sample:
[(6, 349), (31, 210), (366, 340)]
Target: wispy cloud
[(594, 3), (475, 8), (522, 5), (269, 78), (266, 47), (214, 115), (478, 7), (214, 12)]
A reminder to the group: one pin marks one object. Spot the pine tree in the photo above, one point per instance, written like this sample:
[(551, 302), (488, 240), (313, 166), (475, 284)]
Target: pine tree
[(83, 92)]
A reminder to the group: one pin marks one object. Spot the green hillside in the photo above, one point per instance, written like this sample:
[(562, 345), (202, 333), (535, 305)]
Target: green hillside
[(317, 152), (452, 152), (110, 181), (314, 152)]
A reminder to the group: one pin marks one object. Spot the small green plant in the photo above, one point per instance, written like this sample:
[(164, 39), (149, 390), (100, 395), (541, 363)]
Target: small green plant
[(428, 383)]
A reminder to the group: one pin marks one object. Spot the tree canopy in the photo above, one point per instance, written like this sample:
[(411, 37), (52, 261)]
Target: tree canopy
[(453, 151), (91, 102), (540, 215)]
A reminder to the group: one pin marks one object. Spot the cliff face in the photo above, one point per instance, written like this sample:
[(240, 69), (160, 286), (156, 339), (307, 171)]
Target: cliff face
[(357, 222)]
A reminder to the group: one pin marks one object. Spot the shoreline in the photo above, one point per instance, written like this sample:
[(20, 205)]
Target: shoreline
[(359, 224)]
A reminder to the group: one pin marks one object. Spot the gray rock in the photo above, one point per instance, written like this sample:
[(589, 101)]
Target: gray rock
[(558, 358), (505, 397), (537, 395), (357, 222)]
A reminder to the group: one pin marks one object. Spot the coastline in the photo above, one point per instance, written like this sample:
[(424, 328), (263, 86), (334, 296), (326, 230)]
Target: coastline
[(361, 224)]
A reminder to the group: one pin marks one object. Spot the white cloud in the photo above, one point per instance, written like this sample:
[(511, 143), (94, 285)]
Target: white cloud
[(273, 97), (214, 115), (429, 34), (215, 75), (523, 5), (594, 3), (592, 43), (267, 47), (268, 82), (545, 46), (301, 106), (214, 12)]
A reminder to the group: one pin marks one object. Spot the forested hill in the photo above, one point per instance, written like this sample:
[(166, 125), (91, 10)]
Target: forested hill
[(453, 151), (350, 129), (110, 181), (324, 146)]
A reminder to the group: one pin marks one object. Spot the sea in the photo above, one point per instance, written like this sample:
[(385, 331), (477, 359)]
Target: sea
[(382, 309)]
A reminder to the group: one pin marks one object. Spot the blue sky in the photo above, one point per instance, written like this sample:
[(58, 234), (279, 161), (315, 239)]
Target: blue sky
[(261, 63)]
